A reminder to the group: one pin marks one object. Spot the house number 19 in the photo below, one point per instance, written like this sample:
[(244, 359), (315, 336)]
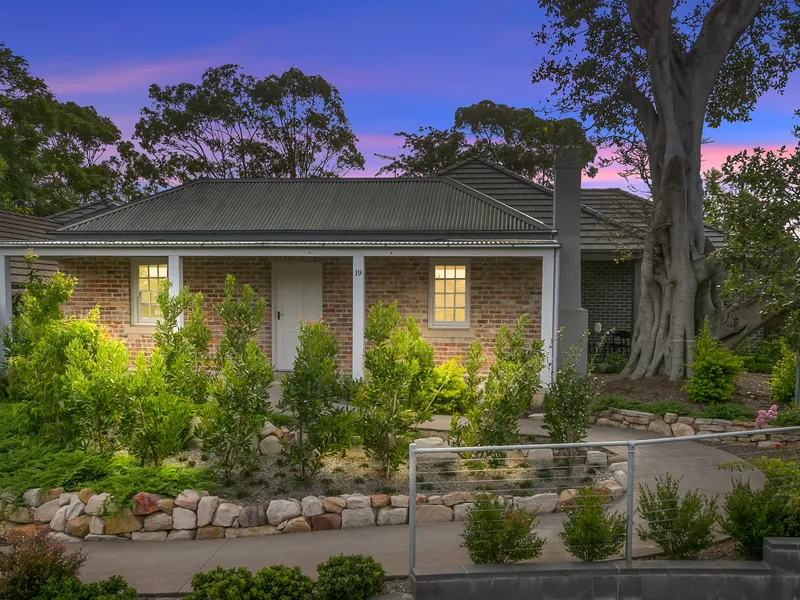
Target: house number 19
[(358, 272)]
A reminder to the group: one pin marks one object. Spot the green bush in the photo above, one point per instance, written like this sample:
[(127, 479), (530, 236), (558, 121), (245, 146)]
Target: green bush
[(237, 583), (449, 388), (283, 583), (353, 577), (761, 356), (496, 534), (399, 367), (781, 384), (590, 533), (240, 396), (751, 515), (714, 370), (569, 401), (788, 416), (70, 588), (30, 563), (681, 526), (613, 362)]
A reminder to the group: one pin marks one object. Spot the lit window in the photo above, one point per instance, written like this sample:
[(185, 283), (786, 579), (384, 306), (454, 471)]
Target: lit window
[(449, 296), (147, 278)]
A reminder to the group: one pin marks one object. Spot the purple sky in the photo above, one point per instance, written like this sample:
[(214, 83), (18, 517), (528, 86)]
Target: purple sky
[(398, 65)]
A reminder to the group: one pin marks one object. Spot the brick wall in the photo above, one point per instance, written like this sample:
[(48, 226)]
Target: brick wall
[(502, 289), (607, 293)]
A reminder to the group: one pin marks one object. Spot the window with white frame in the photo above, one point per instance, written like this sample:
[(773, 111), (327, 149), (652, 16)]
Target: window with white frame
[(147, 276), (449, 294)]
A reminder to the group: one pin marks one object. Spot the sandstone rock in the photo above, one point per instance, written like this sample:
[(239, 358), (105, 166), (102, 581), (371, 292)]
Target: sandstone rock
[(210, 532), (242, 532), (461, 511), (65, 498), (99, 537), (312, 506), (182, 534), (621, 477), (145, 504), (539, 504), (615, 490), (97, 504), (768, 445), (20, 514), (607, 422), (158, 522), (435, 500), (595, 458), (85, 494), (63, 538), (400, 501), (681, 429), (283, 510), (33, 498), (332, 504), (380, 500), (566, 499), (389, 515), (183, 518), (205, 510), (326, 522), (270, 429), (456, 498), (615, 458), (358, 501), (226, 514), (252, 516), (541, 456), (639, 420), (46, 512), (188, 499), (166, 505), (75, 509), (149, 536), (123, 522), (357, 517), (515, 458), (712, 428), (297, 525), (53, 494), (670, 418), (660, 427), (270, 446), (78, 527), (434, 442), (97, 526), (59, 520), (21, 532), (430, 513), (758, 437)]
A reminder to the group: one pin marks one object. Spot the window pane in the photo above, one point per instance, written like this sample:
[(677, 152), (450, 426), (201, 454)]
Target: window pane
[(440, 314), (451, 272), (448, 314), (439, 286), (461, 315), (450, 286), (144, 284), (145, 312), (461, 272), (142, 270), (461, 302), (439, 272), (439, 303), (156, 311), (461, 286), (162, 271)]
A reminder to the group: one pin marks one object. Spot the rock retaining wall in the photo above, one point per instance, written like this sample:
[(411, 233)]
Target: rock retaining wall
[(673, 425)]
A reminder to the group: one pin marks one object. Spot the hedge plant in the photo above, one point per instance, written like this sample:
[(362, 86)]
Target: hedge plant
[(353, 577), (590, 532), (714, 370), (496, 534)]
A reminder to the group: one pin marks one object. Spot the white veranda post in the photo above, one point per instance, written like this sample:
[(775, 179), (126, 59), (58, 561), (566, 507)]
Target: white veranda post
[(175, 275), (5, 298), (359, 310), (549, 320)]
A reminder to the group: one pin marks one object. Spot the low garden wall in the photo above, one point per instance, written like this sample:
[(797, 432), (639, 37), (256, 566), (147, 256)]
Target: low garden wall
[(671, 424)]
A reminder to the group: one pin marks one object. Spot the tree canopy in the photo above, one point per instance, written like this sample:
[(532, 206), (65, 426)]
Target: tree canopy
[(516, 138), (53, 155), (234, 125)]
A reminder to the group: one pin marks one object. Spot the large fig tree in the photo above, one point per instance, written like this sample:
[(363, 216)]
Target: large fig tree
[(648, 76)]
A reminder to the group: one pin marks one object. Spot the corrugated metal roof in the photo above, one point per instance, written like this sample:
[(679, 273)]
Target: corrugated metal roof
[(436, 205), (14, 226), (82, 212)]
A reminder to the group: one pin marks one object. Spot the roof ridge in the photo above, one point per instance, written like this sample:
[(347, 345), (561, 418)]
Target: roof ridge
[(497, 167)]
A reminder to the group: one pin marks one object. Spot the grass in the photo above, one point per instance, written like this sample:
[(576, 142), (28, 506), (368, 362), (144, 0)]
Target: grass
[(729, 411)]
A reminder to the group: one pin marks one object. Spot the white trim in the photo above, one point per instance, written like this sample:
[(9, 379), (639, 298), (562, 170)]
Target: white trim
[(432, 322), (5, 298), (359, 310), (549, 318), (175, 277), (136, 319)]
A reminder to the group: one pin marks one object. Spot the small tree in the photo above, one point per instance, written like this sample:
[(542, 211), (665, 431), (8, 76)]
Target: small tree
[(784, 377), (309, 394), (496, 534), (399, 367), (682, 526), (714, 370), (31, 562), (590, 533), (240, 397)]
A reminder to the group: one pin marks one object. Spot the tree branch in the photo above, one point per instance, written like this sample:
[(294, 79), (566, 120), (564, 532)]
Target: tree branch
[(643, 106)]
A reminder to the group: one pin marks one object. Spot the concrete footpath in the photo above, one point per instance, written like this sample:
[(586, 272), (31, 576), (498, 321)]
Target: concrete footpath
[(167, 567)]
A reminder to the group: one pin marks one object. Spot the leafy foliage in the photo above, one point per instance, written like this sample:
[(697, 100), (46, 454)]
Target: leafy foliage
[(271, 583), (31, 562), (352, 577), (449, 388), (71, 588), (569, 401), (784, 375), (714, 370), (657, 408), (399, 369), (496, 534), (761, 355), (614, 362), (590, 533), (682, 526), (240, 398)]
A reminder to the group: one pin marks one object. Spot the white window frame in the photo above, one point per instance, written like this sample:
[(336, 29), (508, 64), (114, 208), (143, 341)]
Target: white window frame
[(136, 305), (432, 322)]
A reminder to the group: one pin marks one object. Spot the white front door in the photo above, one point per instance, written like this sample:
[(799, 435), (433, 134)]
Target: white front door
[(297, 293)]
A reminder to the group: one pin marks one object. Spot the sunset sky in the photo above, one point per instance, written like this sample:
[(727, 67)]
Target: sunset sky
[(398, 65)]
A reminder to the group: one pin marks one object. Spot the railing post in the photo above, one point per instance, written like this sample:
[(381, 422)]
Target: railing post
[(412, 508), (629, 497)]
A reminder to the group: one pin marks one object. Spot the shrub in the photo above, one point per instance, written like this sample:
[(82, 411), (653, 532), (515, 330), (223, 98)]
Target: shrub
[(353, 577), (283, 583), (613, 362), (31, 562), (518, 365), (70, 588), (222, 584), (496, 534), (240, 397), (680, 525), (788, 416), (761, 356), (308, 395), (569, 401), (590, 533), (449, 388), (399, 368), (781, 384), (714, 370)]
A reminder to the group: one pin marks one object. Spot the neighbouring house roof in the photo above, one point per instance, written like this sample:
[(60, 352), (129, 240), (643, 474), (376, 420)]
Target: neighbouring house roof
[(611, 218), (83, 211), (437, 208), (13, 227)]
